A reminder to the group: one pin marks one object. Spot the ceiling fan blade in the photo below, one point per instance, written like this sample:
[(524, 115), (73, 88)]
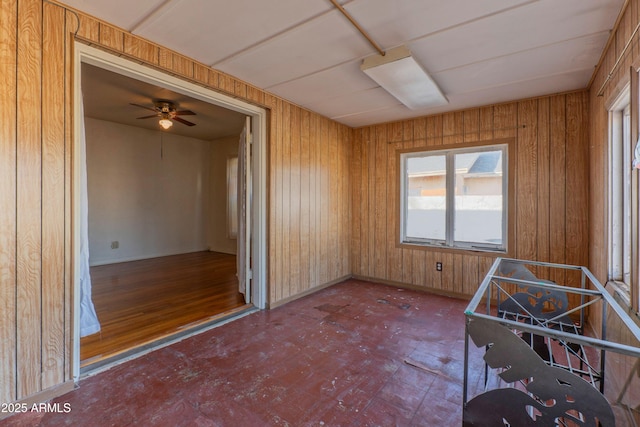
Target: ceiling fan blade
[(185, 113), (147, 117), (183, 121), (142, 106)]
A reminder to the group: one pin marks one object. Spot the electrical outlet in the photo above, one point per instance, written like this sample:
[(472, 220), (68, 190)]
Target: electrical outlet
[(438, 266), (115, 245)]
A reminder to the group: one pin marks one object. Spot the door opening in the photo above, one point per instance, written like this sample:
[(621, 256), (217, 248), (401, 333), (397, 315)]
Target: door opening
[(253, 216)]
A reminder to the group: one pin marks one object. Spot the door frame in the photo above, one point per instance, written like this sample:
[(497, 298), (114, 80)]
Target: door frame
[(100, 58)]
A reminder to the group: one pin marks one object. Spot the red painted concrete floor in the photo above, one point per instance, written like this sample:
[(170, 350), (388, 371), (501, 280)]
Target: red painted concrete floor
[(335, 358)]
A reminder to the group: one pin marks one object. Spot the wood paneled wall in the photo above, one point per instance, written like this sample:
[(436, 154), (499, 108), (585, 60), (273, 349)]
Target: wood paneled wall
[(608, 82), (602, 92), (308, 201), (35, 238), (551, 200)]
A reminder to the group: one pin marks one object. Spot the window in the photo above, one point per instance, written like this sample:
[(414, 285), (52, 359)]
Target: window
[(622, 200), (455, 197), (620, 194)]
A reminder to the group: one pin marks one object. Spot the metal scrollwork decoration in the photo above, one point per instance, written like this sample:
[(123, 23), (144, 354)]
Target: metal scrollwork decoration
[(553, 395)]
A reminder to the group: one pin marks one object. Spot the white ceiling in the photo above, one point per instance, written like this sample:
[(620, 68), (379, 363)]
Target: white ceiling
[(478, 51)]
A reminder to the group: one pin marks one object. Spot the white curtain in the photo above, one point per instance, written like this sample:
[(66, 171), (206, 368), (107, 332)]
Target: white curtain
[(89, 323), (240, 256)]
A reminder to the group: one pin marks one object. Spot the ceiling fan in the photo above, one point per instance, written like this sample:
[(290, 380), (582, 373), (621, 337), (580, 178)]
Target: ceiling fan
[(167, 111)]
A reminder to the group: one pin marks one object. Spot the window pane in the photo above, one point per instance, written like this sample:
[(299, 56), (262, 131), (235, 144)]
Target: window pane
[(478, 197), (426, 197)]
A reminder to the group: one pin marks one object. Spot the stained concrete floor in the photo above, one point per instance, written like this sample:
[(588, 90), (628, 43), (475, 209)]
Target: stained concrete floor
[(354, 354)]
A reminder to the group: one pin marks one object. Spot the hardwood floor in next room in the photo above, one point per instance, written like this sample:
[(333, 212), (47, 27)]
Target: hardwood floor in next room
[(139, 302)]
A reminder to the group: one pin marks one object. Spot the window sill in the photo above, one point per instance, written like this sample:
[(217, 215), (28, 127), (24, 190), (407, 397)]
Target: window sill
[(453, 250)]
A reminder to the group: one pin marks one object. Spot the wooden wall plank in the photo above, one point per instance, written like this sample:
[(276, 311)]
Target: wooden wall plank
[(325, 189), (285, 277), (407, 254), (8, 151), (53, 196), (294, 203), (277, 194), (577, 198), (141, 49), (557, 175), (314, 200), (88, 28), (111, 37), (356, 202), (305, 201), (29, 200), (364, 203), (380, 206), (394, 253), (527, 167), (543, 220), (72, 22)]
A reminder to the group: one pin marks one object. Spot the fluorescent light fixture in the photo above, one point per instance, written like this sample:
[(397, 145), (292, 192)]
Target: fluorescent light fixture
[(400, 75)]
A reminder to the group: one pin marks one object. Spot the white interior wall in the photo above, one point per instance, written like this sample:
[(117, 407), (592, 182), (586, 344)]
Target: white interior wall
[(148, 190), (218, 236)]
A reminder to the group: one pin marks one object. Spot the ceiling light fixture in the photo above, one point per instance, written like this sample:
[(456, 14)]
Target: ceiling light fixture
[(165, 122), (399, 74)]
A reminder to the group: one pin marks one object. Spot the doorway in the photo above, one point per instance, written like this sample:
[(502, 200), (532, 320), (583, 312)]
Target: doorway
[(256, 212)]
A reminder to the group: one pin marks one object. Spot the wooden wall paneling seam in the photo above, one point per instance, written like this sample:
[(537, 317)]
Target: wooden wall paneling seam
[(139, 48), (276, 205), (8, 188), (317, 137), (53, 200), (557, 196), (364, 203), (111, 37), (313, 205), (394, 253), (305, 206), (371, 209), (380, 218), (325, 253), (543, 184), (356, 192), (577, 175), (526, 184), (285, 278), (335, 179), (29, 198), (294, 202)]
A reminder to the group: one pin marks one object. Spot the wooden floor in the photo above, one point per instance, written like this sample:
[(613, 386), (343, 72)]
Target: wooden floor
[(139, 302)]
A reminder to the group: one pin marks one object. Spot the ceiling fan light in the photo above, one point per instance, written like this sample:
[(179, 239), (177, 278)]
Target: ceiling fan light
[(165, 123)]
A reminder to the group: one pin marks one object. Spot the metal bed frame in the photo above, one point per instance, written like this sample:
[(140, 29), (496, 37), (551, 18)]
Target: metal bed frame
[(533, 340)]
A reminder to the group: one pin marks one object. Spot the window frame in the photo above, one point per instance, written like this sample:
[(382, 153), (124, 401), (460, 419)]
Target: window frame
[(450, 245), (627, 290)]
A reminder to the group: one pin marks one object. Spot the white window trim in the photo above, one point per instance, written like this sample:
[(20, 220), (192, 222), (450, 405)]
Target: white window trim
[(449, 241), (619, 271)]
